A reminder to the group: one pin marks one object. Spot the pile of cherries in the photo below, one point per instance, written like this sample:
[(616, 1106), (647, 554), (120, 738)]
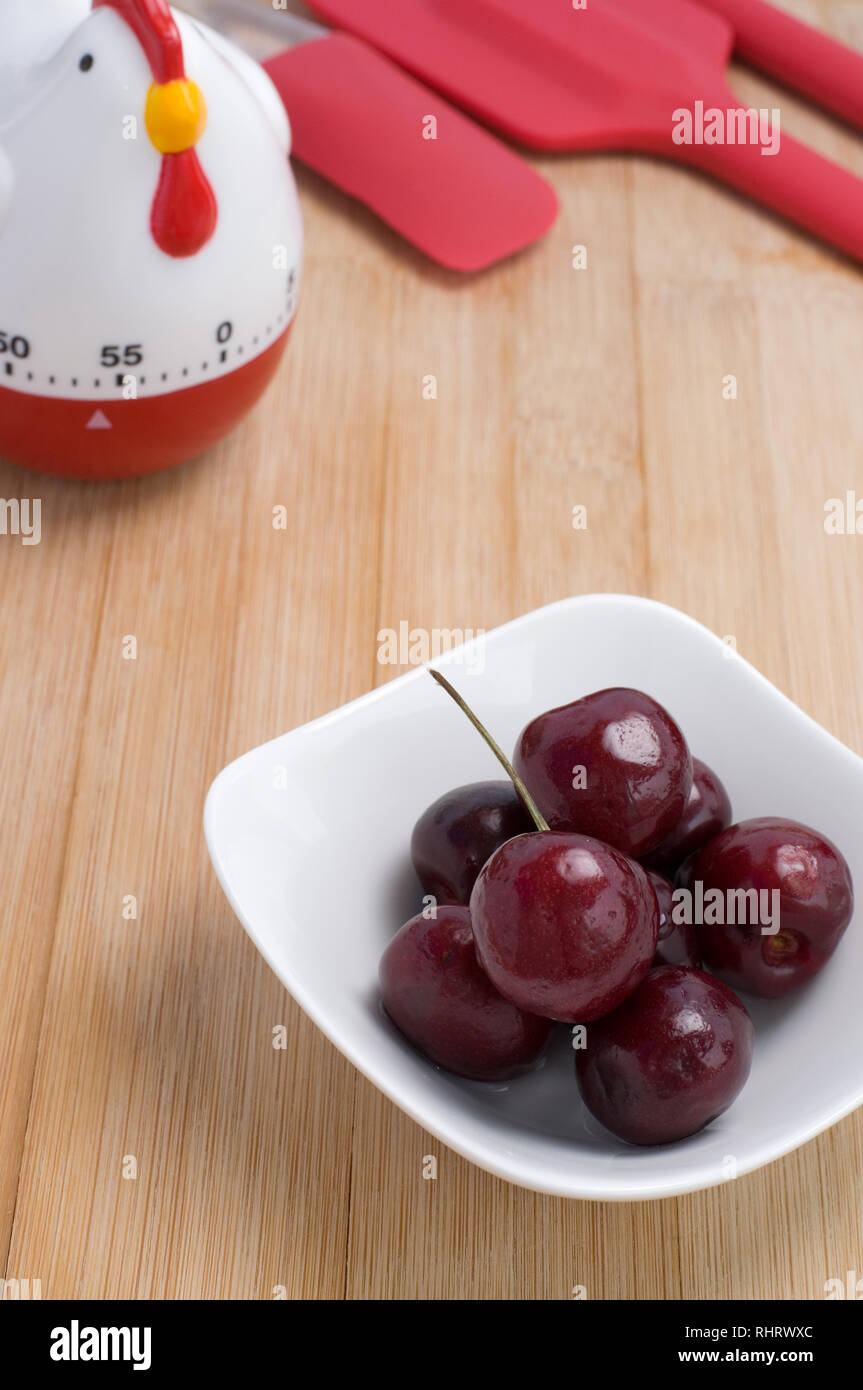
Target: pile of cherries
[(549, 899)]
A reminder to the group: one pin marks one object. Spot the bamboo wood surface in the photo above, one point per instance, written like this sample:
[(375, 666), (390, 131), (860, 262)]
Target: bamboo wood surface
[(260, 1169)]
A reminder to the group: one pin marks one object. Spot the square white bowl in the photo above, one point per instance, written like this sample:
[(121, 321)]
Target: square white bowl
[(310, 834)]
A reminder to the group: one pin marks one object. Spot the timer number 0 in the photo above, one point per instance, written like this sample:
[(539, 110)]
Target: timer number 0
[(18, 346)]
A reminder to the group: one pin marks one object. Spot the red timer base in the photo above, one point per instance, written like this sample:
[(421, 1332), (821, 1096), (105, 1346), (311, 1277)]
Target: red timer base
[(126, 439)]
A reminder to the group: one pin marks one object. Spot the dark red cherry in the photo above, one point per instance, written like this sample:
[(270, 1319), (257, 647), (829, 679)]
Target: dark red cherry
[(707, 811), (613, 765), (456, 835), (677, 943), (435, 991), (815, 901), (669, 1060), (565, 926)]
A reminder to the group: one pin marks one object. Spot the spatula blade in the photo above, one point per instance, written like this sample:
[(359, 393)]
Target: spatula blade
[(450, 187), (685, 24), (513, 65)]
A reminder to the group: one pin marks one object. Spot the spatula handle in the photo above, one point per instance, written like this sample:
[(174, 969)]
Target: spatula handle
[(795, 182), (802, 57)]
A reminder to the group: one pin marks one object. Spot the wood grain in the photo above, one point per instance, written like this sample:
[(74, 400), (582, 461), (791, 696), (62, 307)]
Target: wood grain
[(262, 1171)]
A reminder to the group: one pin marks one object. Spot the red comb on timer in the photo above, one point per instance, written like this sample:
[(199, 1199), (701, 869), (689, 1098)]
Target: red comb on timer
[(184, 209), (168, 312)]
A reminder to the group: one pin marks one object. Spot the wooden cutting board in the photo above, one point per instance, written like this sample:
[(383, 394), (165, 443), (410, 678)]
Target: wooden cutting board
[(152, 1142)]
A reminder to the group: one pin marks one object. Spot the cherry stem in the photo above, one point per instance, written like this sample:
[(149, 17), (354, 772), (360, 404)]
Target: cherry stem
[(530, 805)]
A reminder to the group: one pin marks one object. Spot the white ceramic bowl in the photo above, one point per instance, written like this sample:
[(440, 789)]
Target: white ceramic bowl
[(309, 835)]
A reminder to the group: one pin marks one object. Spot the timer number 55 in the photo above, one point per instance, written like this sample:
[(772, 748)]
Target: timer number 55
[(130, 356)]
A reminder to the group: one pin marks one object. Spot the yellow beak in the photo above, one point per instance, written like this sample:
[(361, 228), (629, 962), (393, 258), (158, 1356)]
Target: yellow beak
[(175, 115)]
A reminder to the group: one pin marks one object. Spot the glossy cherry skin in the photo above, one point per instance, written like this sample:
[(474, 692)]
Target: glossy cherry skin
[(707, 811), (815, 903), (637, 769), (677, 943), (669, 1060), (457, 834), (565, 926), (435, 992)]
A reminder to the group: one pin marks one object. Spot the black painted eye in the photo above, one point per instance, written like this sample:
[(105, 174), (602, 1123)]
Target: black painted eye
[(86, 62)]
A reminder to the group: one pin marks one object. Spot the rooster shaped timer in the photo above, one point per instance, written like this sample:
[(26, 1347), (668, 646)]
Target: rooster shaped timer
[(150, 236)]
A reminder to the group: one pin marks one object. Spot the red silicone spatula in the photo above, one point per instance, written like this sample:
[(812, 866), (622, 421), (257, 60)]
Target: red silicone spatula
[(604, 77), (464, 198)]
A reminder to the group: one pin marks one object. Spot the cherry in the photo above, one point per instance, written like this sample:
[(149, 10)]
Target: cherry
[(677, 943), (815, 900), (564, 925), (707, 811), (673, 1057), (460, 831), (436, 993), (613, 765)]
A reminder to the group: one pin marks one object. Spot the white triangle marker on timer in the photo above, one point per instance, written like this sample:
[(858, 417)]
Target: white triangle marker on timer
[(98, 421)]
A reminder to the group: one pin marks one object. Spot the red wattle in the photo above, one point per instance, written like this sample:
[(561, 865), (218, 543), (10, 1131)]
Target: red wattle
[(184, 211)]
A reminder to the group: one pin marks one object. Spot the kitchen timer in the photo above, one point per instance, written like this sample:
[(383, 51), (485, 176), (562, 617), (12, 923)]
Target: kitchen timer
[(150, 235)]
